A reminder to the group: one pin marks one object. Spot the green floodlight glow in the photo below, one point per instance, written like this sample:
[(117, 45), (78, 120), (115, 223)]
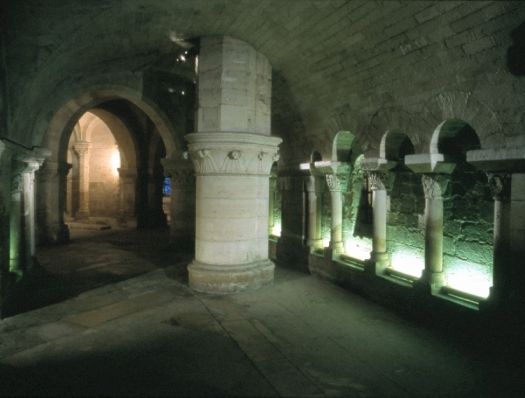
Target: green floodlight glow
[(276, 229), (471, 278), (357, 249), (407, 262), (326, 238)]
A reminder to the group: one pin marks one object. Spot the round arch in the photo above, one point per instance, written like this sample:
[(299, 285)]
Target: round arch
[(453, 138), (64, 119), (395, 145), (344, 147), (52, 182)]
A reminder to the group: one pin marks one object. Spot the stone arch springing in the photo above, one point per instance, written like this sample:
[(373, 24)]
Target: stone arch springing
[(463, 106), (453, 138), (315, 156), (344, 147), (395, 145)]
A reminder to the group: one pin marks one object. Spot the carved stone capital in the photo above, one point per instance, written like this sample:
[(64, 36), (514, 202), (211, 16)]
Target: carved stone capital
[(434, 185), (499, 185), (232, 153), (380, 180), (82, 147), (336, 183)]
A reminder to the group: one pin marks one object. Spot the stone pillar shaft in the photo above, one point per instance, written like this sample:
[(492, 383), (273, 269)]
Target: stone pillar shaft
[(51, 202), (315, 240), (232, 181), (500, 188), (83, 151), (434, 186), (28, 186), (182, 205), (336, 235), (379, 209), (127, 185), (15, 218)]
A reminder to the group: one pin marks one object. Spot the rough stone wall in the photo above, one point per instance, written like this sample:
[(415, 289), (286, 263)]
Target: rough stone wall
[(405, 232), (342, 61), (103, 176), (468, 226)]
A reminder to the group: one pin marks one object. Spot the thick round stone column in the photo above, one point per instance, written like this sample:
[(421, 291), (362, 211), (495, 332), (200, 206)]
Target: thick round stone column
[(335, 183), (28, 183), (232, 179), (82, 148), (379, 207), (182, 205), (313, 189), (127, 193), (434, 185), (51, 184)]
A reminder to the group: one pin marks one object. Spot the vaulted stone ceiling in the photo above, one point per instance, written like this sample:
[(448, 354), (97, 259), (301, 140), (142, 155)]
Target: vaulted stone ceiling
[(362, 66)]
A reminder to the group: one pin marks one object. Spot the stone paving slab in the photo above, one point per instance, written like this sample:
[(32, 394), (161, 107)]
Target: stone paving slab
[(150, 335)]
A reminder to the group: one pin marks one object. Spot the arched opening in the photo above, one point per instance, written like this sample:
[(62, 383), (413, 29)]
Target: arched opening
[(468, 213), (454, 138), (344, 148), (101, 184), (394, 146), (406, 202), (104, 180)]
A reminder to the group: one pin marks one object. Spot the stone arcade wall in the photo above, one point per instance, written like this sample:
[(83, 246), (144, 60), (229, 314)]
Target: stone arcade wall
[(468, 228), (405, 231)]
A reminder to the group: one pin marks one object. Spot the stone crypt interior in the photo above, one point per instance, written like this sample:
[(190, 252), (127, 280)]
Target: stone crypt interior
[(262, 198)]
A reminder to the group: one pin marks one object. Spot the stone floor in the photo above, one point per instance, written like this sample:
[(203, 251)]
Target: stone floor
[(150, 335)]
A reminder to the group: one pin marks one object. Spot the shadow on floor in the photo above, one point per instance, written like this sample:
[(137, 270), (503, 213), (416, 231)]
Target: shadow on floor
[(95, 258)]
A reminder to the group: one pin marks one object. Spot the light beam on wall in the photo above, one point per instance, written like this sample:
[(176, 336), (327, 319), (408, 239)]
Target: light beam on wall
[(408, 262), (115, 161), (276, 229), (471, 278), (357, 249)]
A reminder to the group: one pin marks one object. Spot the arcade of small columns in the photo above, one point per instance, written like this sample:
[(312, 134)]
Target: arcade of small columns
[(232, 153), (505, 169)]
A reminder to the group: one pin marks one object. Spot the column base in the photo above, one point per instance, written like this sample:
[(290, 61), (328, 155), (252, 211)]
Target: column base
[(380, 262), (433, 282), (224, 279), (337, 248)]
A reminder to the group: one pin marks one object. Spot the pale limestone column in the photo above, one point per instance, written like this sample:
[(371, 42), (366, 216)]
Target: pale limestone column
[(434, 186), (127, 188), (271, 202), (231, 243), (517, 239), (51, 198), (5, 201), (380, 255), (15, 219), (232, 153), (82, 148), (29, 209), (182, 207), (336, 186), (314, 190), (499, 184)]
